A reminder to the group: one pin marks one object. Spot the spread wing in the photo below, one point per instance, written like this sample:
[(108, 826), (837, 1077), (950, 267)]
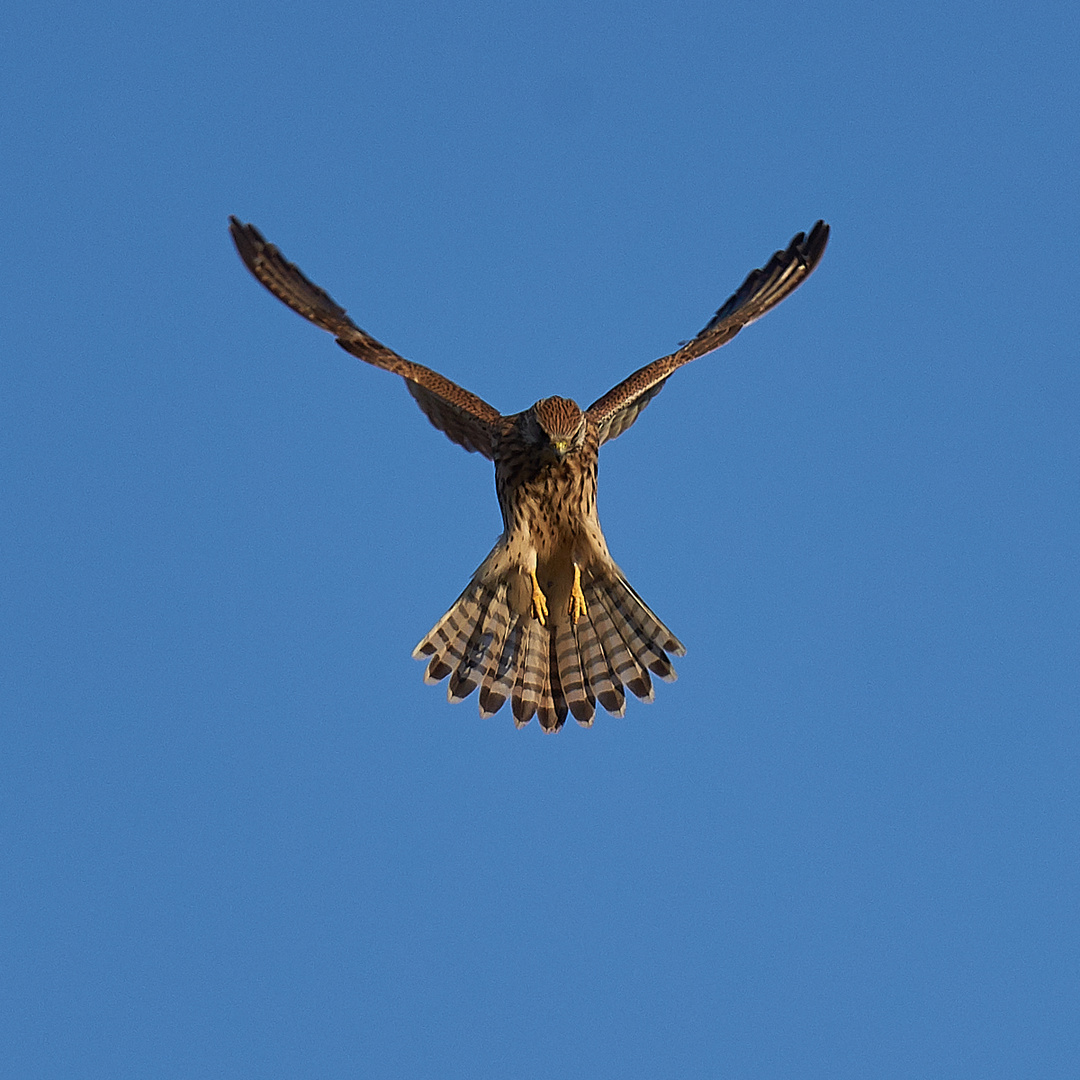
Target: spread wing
[(463, 417), (762, 290)]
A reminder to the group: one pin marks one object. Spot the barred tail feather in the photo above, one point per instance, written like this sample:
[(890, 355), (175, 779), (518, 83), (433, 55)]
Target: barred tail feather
[(480, 645), (640, 629), (529, 685), (551, 711), (555, 670), (448, 640), (501, 671), (598, 673), (621, 657), (599, 676), (574, 683), (661, 635)]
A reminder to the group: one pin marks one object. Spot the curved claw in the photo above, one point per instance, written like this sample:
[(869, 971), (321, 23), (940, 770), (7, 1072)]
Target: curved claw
[(539, 600), (577, 598)]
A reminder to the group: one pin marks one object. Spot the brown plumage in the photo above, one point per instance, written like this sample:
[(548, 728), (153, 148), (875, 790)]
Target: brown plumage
[(548, 621)]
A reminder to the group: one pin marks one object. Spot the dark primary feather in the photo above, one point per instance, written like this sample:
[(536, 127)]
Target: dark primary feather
[(762, 290), (466, 419)]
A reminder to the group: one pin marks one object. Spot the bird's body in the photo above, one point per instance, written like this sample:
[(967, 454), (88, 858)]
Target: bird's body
[(548, 621)]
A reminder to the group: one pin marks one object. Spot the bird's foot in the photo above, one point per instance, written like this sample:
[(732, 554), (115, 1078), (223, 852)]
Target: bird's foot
[(577, 598), (539, 600)]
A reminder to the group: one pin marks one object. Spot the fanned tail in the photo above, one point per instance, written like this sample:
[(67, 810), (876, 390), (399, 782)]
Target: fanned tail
[(555, 670)]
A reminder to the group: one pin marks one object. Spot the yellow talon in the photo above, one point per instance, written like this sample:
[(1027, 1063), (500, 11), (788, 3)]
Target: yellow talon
[(539, 601), (577, 598)]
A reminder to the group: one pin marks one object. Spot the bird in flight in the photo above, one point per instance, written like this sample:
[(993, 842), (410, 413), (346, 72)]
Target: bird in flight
[(548, 620)]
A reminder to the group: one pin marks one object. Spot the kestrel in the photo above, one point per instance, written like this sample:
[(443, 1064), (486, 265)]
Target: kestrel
[(548, 620)]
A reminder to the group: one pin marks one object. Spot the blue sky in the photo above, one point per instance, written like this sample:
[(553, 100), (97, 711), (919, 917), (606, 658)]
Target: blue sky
[(240, 837)]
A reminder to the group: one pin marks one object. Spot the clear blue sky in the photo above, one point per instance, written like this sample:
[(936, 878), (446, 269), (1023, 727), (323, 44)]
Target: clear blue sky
[(240, 837)]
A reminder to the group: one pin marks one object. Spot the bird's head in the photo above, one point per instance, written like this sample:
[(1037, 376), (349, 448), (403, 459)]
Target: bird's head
[(558, 425)]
